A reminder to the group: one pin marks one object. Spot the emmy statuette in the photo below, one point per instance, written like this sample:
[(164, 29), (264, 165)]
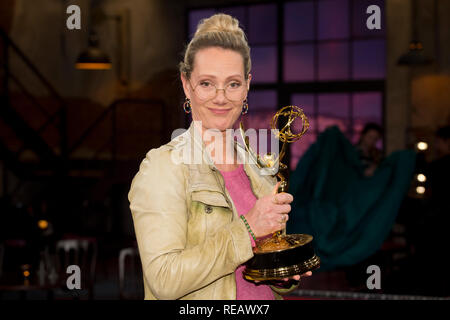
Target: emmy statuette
[(281, 255)]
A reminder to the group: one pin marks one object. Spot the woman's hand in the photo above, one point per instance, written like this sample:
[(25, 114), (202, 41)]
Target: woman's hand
[(289, 282), (297, 277), (270, 213), (293, 278)]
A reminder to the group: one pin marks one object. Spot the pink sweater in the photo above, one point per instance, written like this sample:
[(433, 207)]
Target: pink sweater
[(238, 186)]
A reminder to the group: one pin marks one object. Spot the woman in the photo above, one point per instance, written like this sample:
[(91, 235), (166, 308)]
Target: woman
[(186, 209)]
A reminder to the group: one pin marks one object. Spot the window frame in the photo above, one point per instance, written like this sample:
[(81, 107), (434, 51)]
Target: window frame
[(285, 90)]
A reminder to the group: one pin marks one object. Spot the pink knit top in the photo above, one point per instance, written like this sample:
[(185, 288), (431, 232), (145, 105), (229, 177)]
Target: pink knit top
[(238, 186)]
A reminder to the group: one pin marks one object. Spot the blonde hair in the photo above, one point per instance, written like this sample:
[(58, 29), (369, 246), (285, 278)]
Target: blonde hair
[(219, 30)]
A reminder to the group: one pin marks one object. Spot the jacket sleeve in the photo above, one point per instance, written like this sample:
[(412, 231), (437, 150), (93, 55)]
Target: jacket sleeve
[(158, 204)]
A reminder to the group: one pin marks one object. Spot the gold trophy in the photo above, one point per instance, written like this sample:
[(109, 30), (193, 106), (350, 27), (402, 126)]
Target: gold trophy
[(280, 255)]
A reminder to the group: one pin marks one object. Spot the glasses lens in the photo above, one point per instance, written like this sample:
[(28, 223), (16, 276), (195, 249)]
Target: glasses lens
[(234, 91), (207, 91)]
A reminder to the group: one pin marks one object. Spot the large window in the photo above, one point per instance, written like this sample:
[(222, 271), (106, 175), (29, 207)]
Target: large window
[(316, 54)]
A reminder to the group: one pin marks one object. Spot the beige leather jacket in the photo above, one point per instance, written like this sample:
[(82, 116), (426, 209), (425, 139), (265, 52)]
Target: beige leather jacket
[(189, 235)]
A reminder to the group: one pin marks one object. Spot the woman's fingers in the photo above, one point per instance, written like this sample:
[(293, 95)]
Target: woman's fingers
[(296, 277), (275, 188), (283, 209), (282, 198), (270, 213)]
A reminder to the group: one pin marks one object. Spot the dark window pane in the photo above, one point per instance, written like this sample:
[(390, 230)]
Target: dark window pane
[(305, 102), (298, 63), (367, 107), (333, 19), (194, 18), (333, 61), (263, 23), (333, 109), (264, 64), (237, 12), (299, 21), (258, 119), (369, 59), (262, 100), (360, 17)]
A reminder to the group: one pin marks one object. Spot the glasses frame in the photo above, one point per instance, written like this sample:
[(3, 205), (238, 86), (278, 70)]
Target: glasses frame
[(217, 90)]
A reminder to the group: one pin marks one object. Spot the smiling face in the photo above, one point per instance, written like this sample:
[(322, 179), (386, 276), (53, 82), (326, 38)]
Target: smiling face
[(222, 68)]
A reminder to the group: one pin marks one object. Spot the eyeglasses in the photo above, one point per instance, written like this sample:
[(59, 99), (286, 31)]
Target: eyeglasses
[(207, 90)]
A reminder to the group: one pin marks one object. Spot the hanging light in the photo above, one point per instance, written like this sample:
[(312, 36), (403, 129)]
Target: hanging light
[(415, 55), (93, 58)]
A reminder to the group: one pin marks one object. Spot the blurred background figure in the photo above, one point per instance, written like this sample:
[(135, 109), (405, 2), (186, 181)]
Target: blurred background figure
[(340, 199), (369, 154), (435, 220)]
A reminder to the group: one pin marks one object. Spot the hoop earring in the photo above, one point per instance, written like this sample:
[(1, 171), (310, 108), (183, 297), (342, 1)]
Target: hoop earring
[(187, 105), (244, 107)]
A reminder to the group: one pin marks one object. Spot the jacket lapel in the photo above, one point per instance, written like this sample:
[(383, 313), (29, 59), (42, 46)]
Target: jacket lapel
[(204, 175)]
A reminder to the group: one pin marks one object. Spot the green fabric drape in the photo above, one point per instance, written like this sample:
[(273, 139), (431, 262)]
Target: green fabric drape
[(348, 214)]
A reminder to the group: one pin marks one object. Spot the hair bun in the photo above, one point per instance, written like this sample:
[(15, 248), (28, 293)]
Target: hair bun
[(219, 30), (219, 23)]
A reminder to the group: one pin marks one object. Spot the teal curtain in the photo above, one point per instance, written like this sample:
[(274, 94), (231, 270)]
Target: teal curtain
[(349, 215)]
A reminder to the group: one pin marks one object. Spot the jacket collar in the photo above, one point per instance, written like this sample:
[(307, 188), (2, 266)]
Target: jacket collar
[(191, 150)]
